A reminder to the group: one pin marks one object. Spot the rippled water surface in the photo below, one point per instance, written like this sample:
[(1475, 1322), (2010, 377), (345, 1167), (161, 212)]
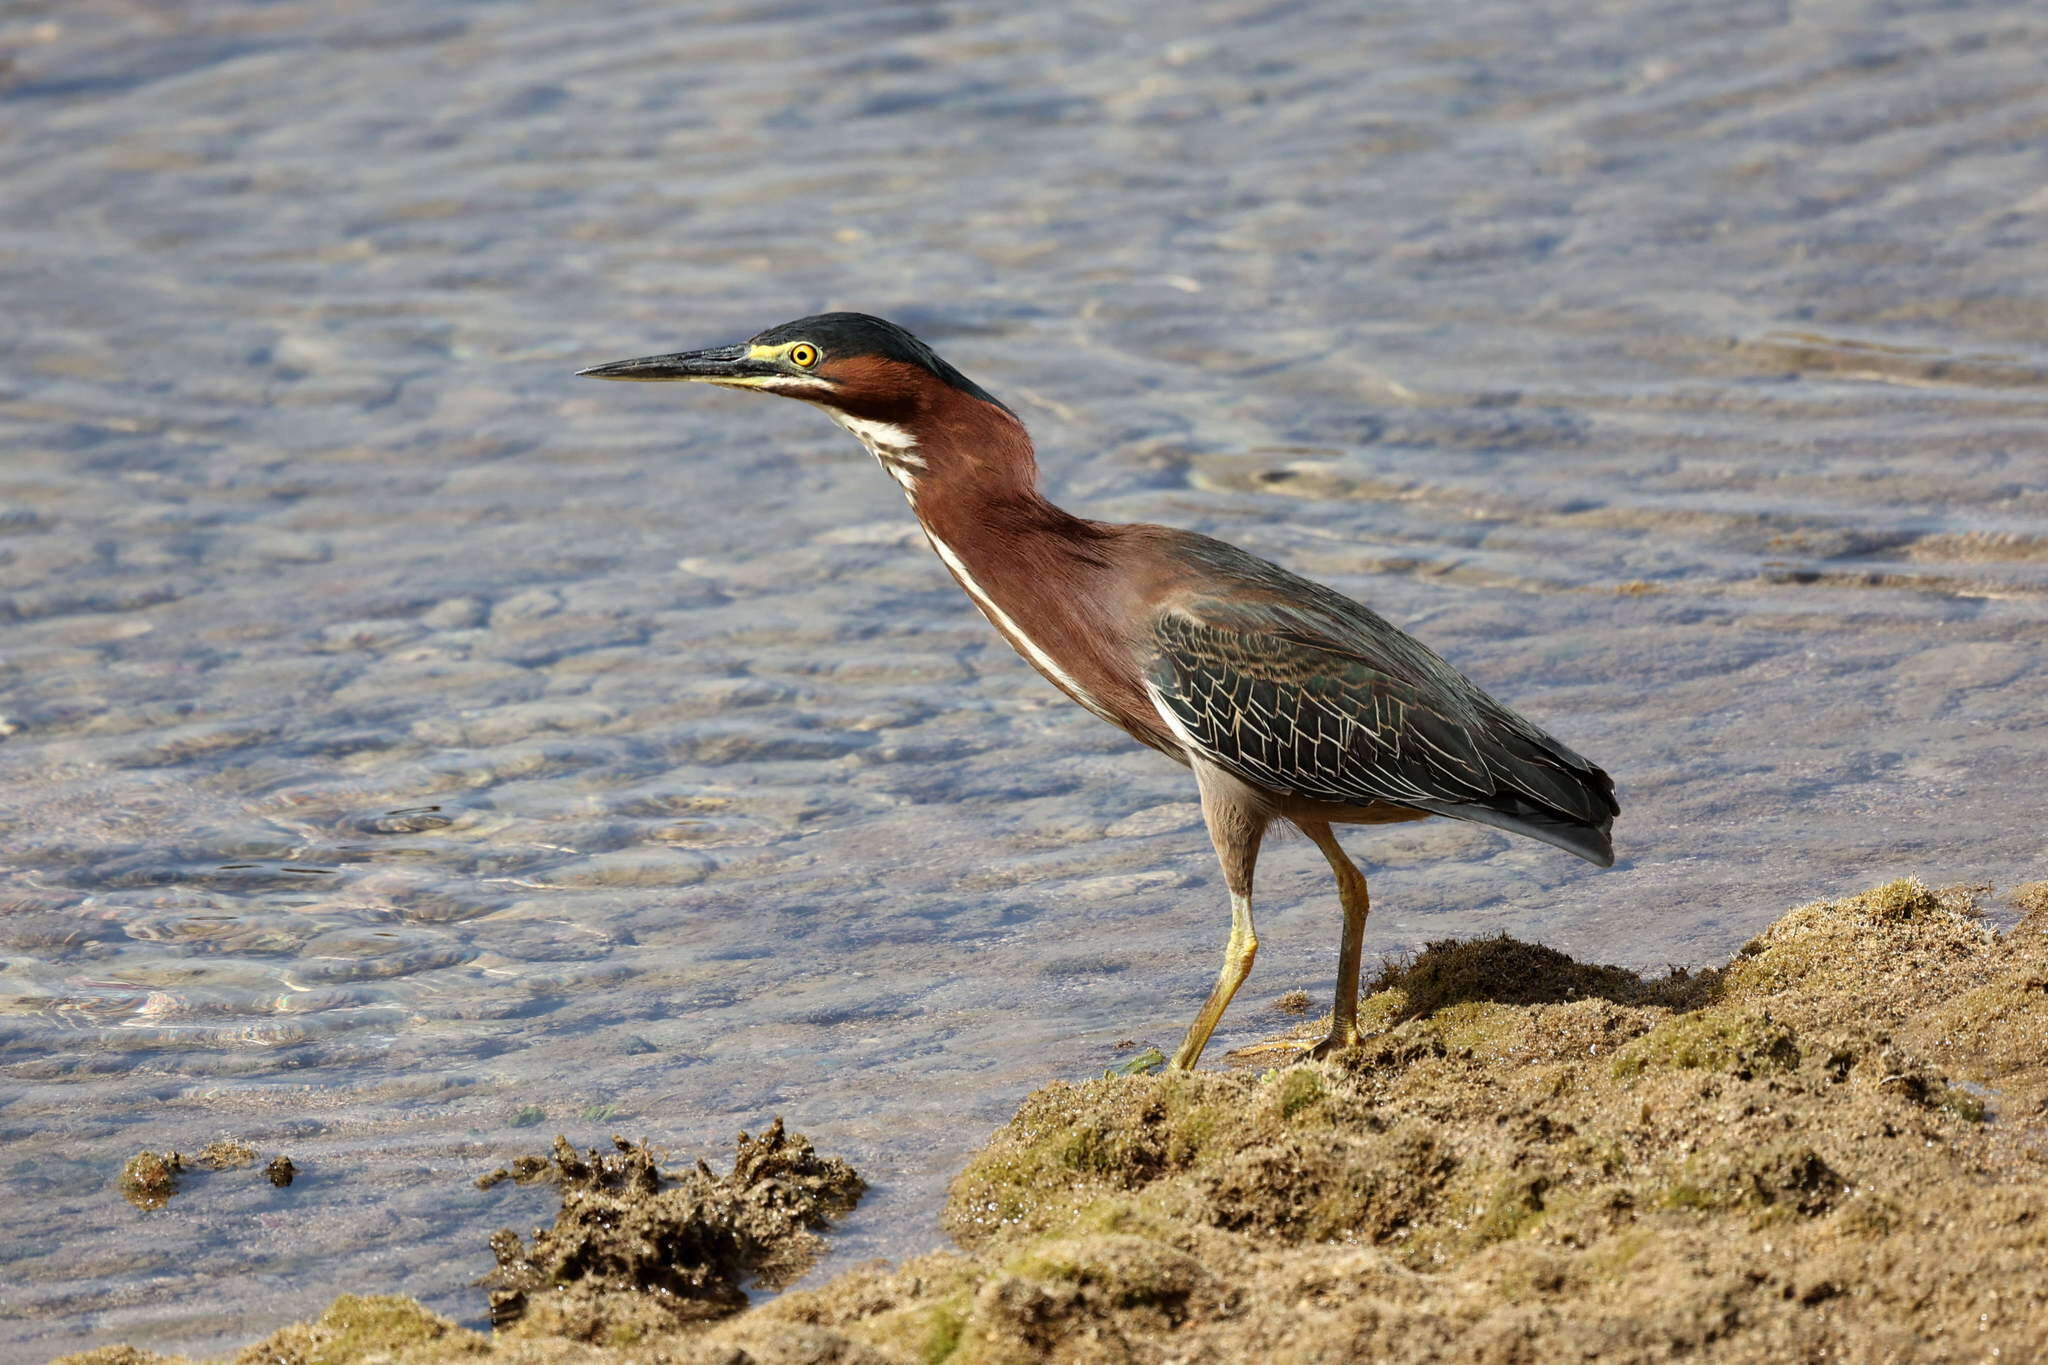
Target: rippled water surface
[(412, 751)]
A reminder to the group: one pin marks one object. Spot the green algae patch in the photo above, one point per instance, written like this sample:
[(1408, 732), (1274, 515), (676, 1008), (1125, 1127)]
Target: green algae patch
[(1122, 1271), (1299, 1090), (1836, 1148), (1514, 1206), (1741, 1043), (1786, 1176), (1070, 1144), (358, 1329), (1313, 1187), (1478, 1026)]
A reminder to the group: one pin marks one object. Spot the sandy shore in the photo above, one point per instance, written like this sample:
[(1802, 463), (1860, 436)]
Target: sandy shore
[(1834, 1147)]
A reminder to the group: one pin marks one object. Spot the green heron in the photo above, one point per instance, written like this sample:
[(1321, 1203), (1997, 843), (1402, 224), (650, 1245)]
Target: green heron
[(1288, 700)]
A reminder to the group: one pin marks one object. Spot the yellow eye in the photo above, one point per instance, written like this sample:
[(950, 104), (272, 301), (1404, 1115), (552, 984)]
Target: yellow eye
[(803, 355)]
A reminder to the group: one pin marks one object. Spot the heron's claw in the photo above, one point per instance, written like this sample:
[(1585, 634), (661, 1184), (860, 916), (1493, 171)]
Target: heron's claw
[(1338, 1041)]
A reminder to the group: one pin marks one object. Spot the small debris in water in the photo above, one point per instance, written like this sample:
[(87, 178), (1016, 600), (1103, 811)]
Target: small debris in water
[(149, 1179), (226, 1154), (1293, 1002)]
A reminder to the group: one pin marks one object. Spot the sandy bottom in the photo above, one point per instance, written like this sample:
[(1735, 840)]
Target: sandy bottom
[(1833, 1147)]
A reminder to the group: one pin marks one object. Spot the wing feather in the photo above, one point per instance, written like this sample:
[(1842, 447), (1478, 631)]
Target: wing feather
[(1331, 703)]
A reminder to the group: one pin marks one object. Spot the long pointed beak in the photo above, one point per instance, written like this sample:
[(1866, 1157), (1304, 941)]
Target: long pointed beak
[(727, 364)]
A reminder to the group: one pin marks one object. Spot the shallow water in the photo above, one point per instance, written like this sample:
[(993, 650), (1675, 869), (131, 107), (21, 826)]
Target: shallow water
[(414, 751)]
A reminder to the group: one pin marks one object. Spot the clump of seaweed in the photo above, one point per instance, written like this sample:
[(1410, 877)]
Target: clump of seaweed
[(1508, 971), (226, 1154), (636, 1250), (149, 1179)]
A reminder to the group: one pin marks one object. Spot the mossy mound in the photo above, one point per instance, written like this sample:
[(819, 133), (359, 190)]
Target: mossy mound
[(1834, 1148), (1535, 1159), (387, 1329), (357, 1329)]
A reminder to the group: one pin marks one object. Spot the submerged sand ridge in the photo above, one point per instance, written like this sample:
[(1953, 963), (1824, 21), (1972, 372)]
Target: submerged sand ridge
[(1834, 1147)]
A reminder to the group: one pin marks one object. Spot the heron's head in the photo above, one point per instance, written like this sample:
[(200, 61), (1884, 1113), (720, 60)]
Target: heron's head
[(851, 363)]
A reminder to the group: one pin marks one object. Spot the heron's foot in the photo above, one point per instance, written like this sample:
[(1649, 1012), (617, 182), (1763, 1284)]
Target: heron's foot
[(1146, 1062), (1340, 1040)]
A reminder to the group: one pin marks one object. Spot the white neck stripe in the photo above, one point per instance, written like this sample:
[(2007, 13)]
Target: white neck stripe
[(1002, 622)]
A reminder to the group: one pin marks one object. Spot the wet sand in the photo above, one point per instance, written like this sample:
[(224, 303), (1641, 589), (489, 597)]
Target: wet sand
[(1833, 1147), (411, 751)]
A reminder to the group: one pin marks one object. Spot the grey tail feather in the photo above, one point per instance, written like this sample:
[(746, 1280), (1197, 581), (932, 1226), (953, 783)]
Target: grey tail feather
[(1594, 844)]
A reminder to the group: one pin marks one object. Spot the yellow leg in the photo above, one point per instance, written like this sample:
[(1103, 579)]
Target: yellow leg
[(1237, 965), (1357, 904), (1236, 824)]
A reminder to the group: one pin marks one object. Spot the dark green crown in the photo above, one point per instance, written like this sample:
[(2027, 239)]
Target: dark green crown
[(838, 335)]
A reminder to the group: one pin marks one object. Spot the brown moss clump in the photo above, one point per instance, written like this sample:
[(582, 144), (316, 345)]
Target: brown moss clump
[(226, 1154), (636, 1251), (1507, 971), (149, 1179)]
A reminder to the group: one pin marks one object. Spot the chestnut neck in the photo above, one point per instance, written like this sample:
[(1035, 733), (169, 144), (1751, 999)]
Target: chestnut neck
[(970, 469)]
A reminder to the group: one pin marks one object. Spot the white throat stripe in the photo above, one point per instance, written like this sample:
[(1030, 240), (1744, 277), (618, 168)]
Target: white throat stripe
[(881, 436), (893, 448)]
